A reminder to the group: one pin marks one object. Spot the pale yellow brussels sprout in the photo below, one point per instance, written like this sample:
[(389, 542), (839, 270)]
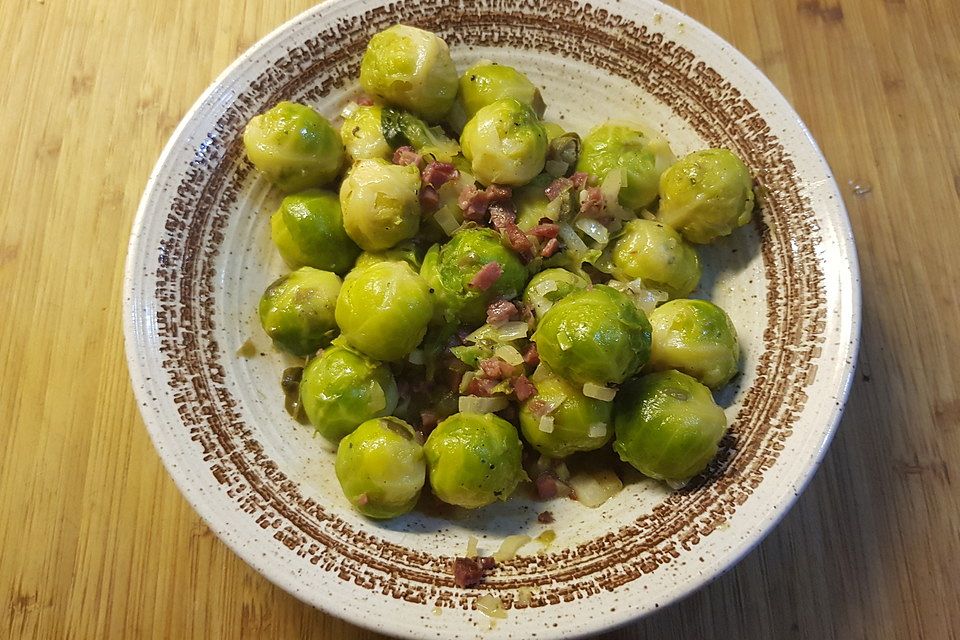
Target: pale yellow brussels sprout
[(410, 68), (380, 203), (657, 255), (573, 423), (383, 310), (505, 143), (294, 146), (486, 82), (696, 337), (362, 134), (706, 195), (641, 156)]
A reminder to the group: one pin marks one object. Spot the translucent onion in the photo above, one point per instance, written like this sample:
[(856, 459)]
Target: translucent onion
[(512, 331), (508, 354), (544, 287), (594, 229), (596, 487), (610, 188), (563, 473), (472, 547), (597, 430), (447, 221), (476, 404), (348, 109), (416, 357), (571, 239), (491, 606), (546, 424), (509, 547), (598, 392)]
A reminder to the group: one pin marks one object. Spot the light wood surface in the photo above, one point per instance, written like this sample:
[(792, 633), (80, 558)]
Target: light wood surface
[(95, 540)]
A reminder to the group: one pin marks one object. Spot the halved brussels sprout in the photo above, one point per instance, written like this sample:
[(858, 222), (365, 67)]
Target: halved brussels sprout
[(451, 270), (308, 231), (595, 335), (296, 311), (643, 157), (410, 68), (668, 426), (486, 82), (380, 203), (659, 256), (341, 389), (381, 467), (505, 143), (294, 146), (474, 459), (575, 422), (383, 310), (551, 285), (362, 134), (696, 337), (706, 195), (403, 252)]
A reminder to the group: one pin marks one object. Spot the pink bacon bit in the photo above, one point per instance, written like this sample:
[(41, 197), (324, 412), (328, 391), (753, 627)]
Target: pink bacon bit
[(545, 517), (497, 369), (556, 188), (518, 241), (365, 101), (436, 174), (468, 572), (546, 486), (501, 311), (550, 247), (580, 179), (429, 199), (538, 408), (523, 388), (487, 276), (545, 231), (474, 202), (407, 156), (593, 204), (429, 420), (531, 356), (501, 216), (481, 387)]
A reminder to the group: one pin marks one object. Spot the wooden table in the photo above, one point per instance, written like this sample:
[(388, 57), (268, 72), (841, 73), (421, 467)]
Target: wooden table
[(95, 540)]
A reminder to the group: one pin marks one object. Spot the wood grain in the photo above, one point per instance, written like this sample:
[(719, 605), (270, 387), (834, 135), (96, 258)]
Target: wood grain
[(97, 542)]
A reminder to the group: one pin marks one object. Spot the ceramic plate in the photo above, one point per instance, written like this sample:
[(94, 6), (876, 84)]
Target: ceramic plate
[(200, 255)]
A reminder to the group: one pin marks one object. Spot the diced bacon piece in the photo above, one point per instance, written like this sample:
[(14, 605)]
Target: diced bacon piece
[(550, 247), (473, 203), (501, 311), (496, 368), (487, 276), (498, 193), (406, 156), (467, 572), (557, 187), (523, 388), (592, 204), (538, 408), (436, 174), (429, 198), (365, 101), (546, 486), (501, 216), (531, 356), (519, 241), (545, 231), (545, 517), (580, 179), (429, 420), (482, 387)]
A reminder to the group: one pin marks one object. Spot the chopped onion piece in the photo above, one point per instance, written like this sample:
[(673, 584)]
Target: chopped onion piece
[(544, 287), (349, 109), (594, 229), (541, 373), (485, 331), (416, 357), (595, 488), (610, 188), (646, 299), (508, 354), (555, 168), (476, 404), (472, 547), (446, 220), (571, 239), (563, 473), (598, 392), (677, 484), (541, 306), (597, 430), (546, 424), (509, 547), (490, 605), (512, 331)]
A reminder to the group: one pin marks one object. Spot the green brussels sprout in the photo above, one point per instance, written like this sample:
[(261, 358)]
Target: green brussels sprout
[(381, 468), (620, 146), (706, 195), (595, 335), (696, 337), (551, 285), (380, 203), (657, 255), (667, 426), (383, 310), (474, 459), (486, 82), (296, 311), (450, 269), (577, 423), (410, 68), (308, 231), (294, 146), (505, 143), (403, 252), (531, 202), (340, 389), (362, 134), (401, 128)]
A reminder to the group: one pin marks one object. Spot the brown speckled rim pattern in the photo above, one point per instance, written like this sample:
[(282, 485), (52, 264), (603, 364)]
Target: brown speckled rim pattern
[(198, 209)]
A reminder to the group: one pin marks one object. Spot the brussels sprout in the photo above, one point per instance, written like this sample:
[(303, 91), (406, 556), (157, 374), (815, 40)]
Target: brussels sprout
[(659, 256), (486, 82), (577, 423), (383, 310), (505, 143), (308, 231), (341, 388), (563, 152), (706, 195), (697, 338), (410, 68), (294, 146), (381, 467), (531, 202), (595, 335), (620, 146), (474, 459), (450, 270), (296, 311), (380, 202), (668, 426), (551, 285), (403, 252), (401, 128), (362, 134)]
